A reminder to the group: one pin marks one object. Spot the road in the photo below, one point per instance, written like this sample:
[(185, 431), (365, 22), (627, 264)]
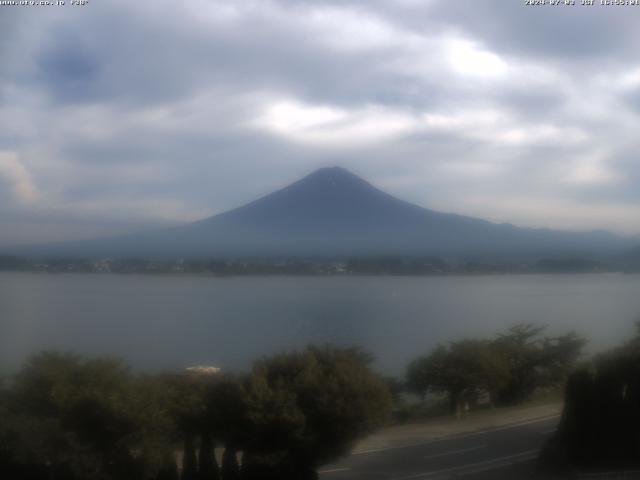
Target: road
[(506, 452)]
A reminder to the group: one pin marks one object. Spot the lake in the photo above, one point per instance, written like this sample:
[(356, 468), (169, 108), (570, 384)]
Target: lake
[(170, 322)]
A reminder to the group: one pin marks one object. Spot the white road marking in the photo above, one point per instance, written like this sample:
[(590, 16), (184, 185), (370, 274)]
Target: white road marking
[(335, 470), (453, 452), (483, 466)]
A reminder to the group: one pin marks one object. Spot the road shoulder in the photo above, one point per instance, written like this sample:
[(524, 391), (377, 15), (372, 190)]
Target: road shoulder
[(399, 436)]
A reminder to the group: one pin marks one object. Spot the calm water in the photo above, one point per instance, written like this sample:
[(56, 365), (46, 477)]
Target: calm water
[(158, 322)]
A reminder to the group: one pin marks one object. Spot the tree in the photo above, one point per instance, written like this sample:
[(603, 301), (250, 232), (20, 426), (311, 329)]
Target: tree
[(80, 409), (535, 362), (224, 414), (154, 400), (509, 369), (207, 464), (230, 468), (189, 459), (473, 367), (74, 418), (600, 424), (423, 374), (307, 408), (226, 418), (169, 469), (189, 409), (462, 371)]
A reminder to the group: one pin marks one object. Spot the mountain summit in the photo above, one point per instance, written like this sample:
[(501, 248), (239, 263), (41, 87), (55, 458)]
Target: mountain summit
[(333, 212)]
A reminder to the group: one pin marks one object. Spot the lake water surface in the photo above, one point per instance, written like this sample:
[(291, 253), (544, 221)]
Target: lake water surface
[(169, 322)]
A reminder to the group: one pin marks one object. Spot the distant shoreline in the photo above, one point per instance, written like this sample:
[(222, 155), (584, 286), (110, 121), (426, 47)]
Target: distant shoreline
[(321, 275), (369, 266)]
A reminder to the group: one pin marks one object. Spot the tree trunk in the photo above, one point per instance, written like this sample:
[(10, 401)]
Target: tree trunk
[(207, 464), (169, 469), (230, 467), (189, 460)]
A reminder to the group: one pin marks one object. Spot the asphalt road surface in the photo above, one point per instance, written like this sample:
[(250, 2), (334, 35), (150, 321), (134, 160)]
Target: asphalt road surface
[(503, 453)]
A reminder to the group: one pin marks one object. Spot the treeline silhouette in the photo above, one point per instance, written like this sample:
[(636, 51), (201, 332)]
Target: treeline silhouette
[(65, 417), (366, 265), (600, 425)]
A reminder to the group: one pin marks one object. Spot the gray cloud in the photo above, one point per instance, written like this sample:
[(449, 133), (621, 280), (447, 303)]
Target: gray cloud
[(122, 115)]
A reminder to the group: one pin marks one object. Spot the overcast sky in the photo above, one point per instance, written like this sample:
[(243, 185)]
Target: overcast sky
[(121, 114)]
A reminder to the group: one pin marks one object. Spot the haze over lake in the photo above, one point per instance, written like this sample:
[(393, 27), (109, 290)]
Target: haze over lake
[(170, 322)]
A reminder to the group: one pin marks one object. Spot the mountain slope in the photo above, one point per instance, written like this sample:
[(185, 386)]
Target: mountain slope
[(630, 260), (332, 212)]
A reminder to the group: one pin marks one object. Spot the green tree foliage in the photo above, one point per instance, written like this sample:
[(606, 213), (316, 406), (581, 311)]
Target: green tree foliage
[(71, 418), (80, 409), (508, 369), (463, 370), (535, 361), (600, 425), (473, 367), (309, 407), (224, 414), (423, 373)]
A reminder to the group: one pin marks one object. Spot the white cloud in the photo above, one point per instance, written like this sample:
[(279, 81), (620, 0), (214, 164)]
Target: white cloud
[(467, 58), (17, 177), (628, 79), (593, 170), (329, 125)]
